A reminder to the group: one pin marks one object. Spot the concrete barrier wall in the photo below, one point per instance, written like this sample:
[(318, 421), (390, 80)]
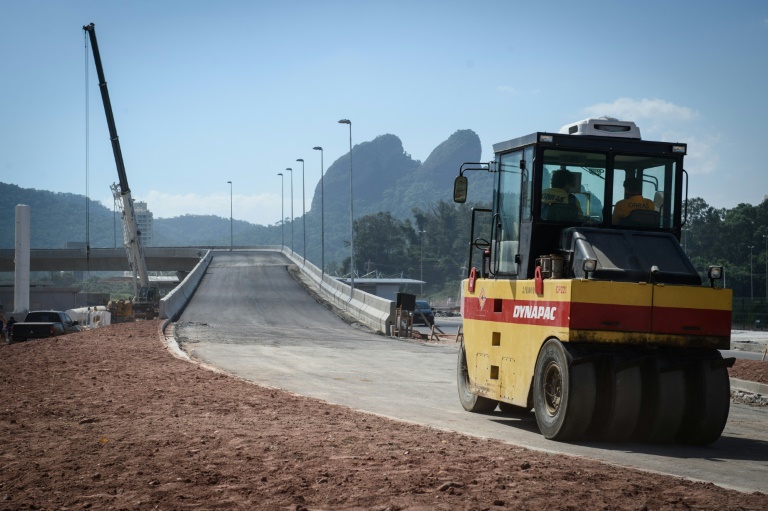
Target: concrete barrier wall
[(373, 311), (174, 302)]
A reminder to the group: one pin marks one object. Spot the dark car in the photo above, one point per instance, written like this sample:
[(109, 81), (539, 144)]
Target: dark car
[(426, 310), (43, 324)]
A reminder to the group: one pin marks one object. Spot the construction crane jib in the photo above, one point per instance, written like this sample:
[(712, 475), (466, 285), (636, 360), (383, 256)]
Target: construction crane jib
[(131, 233)]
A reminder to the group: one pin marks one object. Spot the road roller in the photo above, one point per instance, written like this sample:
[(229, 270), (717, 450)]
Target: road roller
[(579, 301)]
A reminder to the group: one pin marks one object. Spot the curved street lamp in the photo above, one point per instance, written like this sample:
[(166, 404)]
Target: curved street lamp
[(282, 209), (303, 210), (322, 215), (291, 171), (421, 271), (751, 287), (765, 237), (351, 214), (231, 238)]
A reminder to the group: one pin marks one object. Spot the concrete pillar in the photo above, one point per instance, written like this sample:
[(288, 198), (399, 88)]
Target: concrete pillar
[(22, 262)]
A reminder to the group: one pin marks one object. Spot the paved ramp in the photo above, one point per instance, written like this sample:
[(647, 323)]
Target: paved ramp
[(246, 296), (251, 318)]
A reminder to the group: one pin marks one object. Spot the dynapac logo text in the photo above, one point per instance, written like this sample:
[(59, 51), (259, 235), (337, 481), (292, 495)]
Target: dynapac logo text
[(534, 312)]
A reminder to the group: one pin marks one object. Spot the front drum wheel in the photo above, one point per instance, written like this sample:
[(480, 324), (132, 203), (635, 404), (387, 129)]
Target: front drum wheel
[(471, 402)]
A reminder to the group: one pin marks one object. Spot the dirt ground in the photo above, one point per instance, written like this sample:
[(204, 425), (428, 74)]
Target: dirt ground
[(109, 419), (750, 370)]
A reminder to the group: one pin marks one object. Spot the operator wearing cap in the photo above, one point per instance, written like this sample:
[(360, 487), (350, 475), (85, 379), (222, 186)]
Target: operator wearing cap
[(633, 200)]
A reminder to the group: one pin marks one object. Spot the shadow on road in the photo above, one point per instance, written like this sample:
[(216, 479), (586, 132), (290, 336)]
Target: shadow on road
[(522, 421), (726, 448)]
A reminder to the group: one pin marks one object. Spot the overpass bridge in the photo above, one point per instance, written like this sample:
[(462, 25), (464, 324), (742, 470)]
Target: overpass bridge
[(178, 259), (374, 311)]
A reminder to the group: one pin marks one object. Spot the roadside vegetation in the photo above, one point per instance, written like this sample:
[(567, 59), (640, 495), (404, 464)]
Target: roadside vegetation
[(389, 246)]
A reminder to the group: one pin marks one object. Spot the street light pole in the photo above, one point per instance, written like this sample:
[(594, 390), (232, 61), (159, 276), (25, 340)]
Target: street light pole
[(291, 171), (351, 213), (282, 209), (765, 237), (303, 211), (322, 215), (751, 287), (231, 238), (421, 271)]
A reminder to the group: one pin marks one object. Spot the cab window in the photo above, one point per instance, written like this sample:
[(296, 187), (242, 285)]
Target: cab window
[(643, 191), (507, 213), (573, 187)]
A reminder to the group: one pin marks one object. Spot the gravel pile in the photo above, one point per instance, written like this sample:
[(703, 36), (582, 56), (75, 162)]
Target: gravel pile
[(738, 396)]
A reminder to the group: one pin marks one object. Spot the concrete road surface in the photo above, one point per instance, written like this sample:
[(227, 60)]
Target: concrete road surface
[(249, 317)]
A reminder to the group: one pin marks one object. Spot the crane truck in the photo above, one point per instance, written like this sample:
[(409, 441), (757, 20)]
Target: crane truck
[(579, 301), (146, 297)]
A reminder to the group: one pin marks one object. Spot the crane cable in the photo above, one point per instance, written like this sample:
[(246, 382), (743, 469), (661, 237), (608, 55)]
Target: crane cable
[(87, 164)]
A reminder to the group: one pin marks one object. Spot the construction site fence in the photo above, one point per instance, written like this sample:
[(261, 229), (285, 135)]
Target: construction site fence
[(750, 313)]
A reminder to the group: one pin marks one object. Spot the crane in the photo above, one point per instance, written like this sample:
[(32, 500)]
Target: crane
[(145, 296)]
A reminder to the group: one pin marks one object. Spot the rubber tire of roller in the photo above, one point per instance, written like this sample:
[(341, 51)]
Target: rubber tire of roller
[(563, 413), (471, 402)]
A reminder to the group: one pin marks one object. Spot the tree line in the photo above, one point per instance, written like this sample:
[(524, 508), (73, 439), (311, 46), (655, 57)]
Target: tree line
[(433, 245), (736, 238)]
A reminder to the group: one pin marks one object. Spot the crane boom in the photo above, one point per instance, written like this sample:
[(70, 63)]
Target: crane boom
[(132, 238)]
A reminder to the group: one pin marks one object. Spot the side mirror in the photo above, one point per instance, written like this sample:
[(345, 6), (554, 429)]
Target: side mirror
[(460, 189)]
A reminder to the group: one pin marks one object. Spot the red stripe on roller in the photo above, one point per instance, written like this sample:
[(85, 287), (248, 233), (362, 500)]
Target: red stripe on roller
[(605, 316), (601, 316), (677, 320)]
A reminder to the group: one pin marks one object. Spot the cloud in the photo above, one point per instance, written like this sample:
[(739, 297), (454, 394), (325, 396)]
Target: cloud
[(657, 110), (662, 120), (506, 89)]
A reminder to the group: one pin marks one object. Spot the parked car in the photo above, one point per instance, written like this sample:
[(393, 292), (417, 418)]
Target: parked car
[(43, 324), (426, 310)]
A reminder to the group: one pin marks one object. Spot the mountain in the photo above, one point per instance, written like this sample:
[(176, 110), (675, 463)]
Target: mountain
[(386, 178), (56, 218), (433, 180)]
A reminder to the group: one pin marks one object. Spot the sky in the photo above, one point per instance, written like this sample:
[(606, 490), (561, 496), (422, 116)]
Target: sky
[(206, 92)]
